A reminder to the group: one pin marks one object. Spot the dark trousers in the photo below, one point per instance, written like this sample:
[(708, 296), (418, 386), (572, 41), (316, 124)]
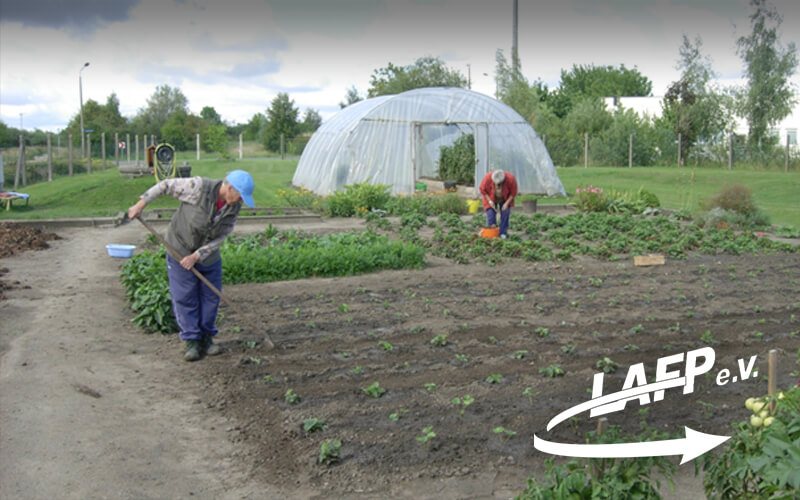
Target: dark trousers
[(491, 219), (194, 303)]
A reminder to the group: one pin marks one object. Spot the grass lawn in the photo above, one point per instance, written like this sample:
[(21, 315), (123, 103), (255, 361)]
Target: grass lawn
[(105, 193), (776, 193)]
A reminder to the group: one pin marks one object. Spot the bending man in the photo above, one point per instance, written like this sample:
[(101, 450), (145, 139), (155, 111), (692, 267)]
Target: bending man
[(498, 190), (206, 216)]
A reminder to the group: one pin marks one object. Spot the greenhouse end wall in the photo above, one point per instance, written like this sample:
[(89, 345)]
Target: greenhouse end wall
[(378, 141)]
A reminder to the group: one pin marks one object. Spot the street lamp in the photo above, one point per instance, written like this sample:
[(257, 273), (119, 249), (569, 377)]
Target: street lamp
[(80, 89)]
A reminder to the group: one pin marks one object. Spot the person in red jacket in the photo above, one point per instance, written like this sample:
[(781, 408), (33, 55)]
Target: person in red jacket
[(498, 190)]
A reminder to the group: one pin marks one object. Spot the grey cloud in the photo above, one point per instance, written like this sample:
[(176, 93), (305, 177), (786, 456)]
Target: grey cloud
[(254, 68), (80, 14)]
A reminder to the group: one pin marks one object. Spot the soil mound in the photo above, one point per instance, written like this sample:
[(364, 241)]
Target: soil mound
[(16, 239)]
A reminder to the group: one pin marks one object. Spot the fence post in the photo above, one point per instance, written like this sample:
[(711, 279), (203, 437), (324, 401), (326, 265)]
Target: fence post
[(20, 162), (128, 146), (283, 147), (240, 146), (786, 166), (197, 141), (88, 153), (103, 147), (69, 146), (630, 151), (116, 148), (586, 150), (679, 150), (730, 152), (136, 154), (49, 158)]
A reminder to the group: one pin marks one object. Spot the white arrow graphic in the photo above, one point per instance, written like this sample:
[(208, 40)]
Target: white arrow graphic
[(692, 446)]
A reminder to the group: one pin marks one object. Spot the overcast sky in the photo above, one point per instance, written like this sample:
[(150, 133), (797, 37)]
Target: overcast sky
[(237, 55)]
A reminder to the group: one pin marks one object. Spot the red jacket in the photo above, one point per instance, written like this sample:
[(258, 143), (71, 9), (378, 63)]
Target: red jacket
[(487, 188)]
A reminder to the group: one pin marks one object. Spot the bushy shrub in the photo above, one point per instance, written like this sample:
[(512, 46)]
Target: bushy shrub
[(357, 199), (457, 162), (736, 198), (427, 204), (590, 199), (720, 218), (732, 208), (631, 202)]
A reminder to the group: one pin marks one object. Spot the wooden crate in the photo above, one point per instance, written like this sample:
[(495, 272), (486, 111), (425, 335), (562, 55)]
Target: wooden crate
[(649, 260)]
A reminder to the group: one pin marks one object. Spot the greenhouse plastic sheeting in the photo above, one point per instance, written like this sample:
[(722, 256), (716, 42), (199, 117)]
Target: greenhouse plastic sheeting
[(395, 140)]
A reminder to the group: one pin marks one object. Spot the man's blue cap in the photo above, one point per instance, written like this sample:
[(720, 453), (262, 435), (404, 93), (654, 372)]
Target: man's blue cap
[(242, 182)]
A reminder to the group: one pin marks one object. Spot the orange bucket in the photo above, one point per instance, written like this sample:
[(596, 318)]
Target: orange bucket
[(490, 232)]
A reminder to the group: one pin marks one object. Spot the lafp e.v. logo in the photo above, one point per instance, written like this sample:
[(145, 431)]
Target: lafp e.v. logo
[(668, 376)]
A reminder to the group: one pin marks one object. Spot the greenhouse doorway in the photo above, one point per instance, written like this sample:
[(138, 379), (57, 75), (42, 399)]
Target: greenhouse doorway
[(430, 137)]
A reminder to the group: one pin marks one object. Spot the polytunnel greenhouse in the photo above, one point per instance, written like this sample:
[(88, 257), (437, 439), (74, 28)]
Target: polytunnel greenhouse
[(397, 139)]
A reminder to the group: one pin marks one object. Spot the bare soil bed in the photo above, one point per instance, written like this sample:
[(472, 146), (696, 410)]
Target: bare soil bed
[(222, 428), (335, 337)]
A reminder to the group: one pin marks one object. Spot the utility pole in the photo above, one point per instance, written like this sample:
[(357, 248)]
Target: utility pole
[(80, 90), (514, 39)]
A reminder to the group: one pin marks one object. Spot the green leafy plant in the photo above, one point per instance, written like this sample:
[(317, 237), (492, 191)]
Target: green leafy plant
[(291, 397), (144, 277), (396, 416), (439, 340), (708, 338), (330, 451), (761, 460), (506, 433), (542, 332), (314, 424), (386, 346), (427, 436), (429, 386), (528, 393), (607, 365), (462, 403), (552, 371), (519, 354), (457, 162), (494, 378), (374, 390)]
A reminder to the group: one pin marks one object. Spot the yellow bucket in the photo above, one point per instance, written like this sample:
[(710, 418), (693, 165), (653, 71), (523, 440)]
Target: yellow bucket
[(473, 205)]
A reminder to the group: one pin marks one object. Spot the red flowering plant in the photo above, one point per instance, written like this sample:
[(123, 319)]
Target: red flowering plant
[(590, 199)]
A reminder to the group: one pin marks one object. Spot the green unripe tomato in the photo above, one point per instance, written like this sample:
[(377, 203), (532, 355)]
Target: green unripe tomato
[(768, 421), (757, 406), (756, 421), (749, 403), (763, 414)]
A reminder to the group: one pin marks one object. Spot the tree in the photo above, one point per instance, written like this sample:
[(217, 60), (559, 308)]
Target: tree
[(209, 114), (351, 97), (311, 121), (768, 96), (597, 81), (165, 102), (426, 71), (513, 89), (100, 118), (216, 139), (255, 129), (181, 130), (282, 120)]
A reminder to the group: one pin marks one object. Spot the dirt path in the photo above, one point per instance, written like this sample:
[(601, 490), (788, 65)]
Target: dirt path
[(88, 404)]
